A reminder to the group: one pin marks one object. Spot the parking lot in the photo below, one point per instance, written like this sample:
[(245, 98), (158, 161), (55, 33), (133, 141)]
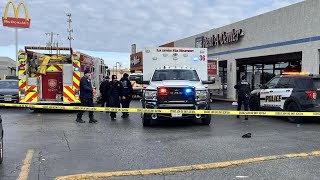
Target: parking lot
[(58, 146)]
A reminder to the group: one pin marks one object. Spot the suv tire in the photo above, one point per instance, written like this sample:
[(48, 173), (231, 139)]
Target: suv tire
[(145, 121), (293, 107), (1, 150), (254, 104), (206, 120)]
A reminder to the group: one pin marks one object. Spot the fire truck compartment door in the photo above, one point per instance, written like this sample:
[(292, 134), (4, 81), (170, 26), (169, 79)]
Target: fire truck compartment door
[(33, 81), (67, 74), (51, 85)]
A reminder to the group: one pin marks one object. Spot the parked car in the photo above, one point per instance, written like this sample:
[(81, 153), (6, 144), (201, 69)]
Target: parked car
[(9, 90), (1, 141)]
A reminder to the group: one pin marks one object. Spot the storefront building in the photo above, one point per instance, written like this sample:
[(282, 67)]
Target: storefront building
[(263, 46)]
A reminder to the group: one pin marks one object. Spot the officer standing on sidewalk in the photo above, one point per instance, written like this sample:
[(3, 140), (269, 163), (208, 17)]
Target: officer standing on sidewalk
[(86, 96), (115, 95), (127, 93), (243, 90)]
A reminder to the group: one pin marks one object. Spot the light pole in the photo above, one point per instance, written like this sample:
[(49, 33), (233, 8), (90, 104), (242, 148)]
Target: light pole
[(114, 70), (117, 68)]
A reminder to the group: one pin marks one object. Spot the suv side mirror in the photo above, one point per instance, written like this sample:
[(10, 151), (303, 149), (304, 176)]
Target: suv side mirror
[(211, 81), (139, 81), (263, 86)]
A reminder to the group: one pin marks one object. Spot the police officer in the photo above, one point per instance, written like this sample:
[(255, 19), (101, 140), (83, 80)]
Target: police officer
[(115, 95), (243, 90), (104, 91), (127, 93), (86, 97)]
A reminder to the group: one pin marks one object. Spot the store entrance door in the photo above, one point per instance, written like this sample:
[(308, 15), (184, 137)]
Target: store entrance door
[(224, 77)]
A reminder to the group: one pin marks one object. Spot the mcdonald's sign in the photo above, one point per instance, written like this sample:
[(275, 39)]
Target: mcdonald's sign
[(15, 21)]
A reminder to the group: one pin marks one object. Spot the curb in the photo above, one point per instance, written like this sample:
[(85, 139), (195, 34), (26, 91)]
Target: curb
[(222, 100)]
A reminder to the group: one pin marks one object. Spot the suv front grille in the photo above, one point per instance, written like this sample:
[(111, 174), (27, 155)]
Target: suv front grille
[(177, 95)]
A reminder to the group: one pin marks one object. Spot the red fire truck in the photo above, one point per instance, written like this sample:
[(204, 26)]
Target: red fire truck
[(49, 75)]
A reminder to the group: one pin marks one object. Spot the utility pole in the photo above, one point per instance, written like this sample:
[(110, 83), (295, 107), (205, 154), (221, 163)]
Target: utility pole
[(70, 30), (50, 43)]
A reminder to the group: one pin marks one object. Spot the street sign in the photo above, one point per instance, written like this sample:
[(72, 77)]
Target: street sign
[(15, 21), (121, 71)]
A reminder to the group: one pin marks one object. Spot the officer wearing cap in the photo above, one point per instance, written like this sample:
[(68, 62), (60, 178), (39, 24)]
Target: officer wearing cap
[(115, 95), (105, 91), (86, 96), (243, 90), (127, 92)]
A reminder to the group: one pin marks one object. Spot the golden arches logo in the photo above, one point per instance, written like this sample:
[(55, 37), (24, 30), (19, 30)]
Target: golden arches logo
[(16, 21)]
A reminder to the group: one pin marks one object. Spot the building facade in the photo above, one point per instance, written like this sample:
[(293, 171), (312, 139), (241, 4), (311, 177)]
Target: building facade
[(7, 67), (264, 46)]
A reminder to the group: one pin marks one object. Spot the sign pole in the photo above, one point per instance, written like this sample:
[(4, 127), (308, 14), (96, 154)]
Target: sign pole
[(16, 22), (17, 60)]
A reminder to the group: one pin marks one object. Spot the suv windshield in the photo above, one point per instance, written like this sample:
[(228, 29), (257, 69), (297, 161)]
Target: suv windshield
[(8, 84), (175, 74)]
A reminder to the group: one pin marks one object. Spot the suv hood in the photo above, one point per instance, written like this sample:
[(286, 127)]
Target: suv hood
[(176, 83)]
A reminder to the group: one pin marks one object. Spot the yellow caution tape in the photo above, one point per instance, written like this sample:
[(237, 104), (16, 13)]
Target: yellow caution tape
[(163, 111)]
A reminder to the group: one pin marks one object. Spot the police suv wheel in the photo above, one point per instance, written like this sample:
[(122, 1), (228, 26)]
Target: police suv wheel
[(293, 107), (1, 150), (254, 104), (206, 120), (146, 122)]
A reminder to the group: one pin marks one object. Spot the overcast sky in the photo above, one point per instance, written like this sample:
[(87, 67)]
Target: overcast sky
[(103, 27)]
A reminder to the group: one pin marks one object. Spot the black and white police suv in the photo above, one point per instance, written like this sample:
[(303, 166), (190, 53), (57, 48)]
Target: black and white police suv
[(290, 92)]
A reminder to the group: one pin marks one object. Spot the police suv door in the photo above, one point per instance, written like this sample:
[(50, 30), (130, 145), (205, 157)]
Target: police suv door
[(268, 92), (283, 91), (277, 93)]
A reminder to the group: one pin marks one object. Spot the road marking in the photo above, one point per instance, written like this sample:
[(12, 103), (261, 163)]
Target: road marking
[(26, 166), (215, 165)]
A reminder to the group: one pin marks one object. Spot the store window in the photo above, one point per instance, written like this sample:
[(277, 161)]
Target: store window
[(258, 74), (260, 70)]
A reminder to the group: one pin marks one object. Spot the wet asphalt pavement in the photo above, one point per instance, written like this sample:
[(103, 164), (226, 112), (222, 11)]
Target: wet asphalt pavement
[(63, 147)]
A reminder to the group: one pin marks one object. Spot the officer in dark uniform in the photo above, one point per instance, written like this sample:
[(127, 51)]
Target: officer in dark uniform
[(104, 91), (86, 96), (243, 90), (115, 95), (127, 93)]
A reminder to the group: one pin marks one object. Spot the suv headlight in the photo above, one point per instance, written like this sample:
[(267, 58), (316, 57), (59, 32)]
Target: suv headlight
[(201, 95), (150, 95)]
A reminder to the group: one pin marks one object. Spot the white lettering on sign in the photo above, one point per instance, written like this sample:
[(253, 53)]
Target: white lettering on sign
[(276, 98), (219, 39), (175, 50), (135, 61)]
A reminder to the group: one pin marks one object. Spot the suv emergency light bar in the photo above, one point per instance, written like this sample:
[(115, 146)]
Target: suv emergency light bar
[(168, 67), (297, 73)]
